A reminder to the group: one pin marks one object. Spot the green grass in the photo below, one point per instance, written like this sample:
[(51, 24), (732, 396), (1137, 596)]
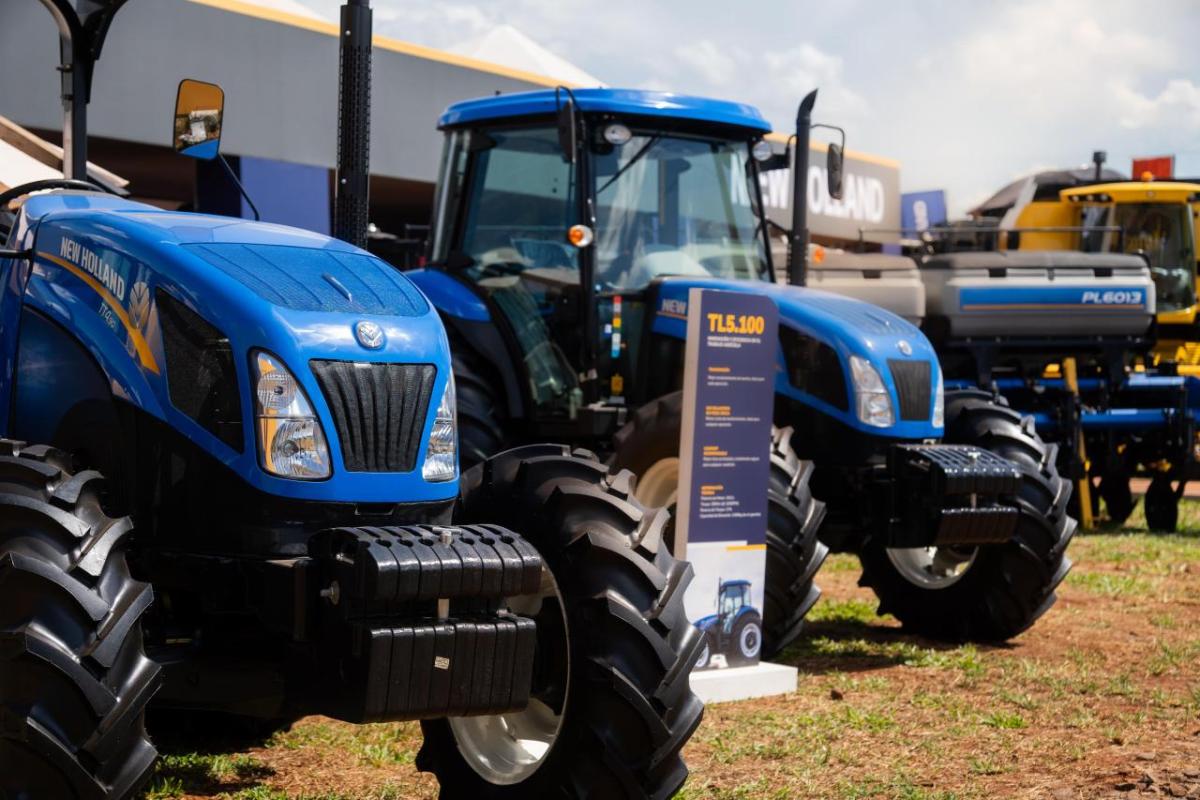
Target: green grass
[(1109, 584), (852, 610), (376, 745)]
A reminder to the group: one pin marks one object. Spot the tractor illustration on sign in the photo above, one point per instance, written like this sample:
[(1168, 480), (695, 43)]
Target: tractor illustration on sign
[(734, 634)]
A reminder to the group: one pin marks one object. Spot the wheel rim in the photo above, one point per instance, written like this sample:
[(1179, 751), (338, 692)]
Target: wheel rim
[(932, 567), (506, 749), (750, 641), (658, 486), (704, 653)]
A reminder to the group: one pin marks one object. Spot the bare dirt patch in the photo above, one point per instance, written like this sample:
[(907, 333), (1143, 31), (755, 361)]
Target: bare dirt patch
[(1101, 699)]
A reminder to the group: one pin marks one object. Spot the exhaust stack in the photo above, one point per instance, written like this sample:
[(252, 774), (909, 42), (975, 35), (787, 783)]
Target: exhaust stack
[(352, 189), (798, 243)]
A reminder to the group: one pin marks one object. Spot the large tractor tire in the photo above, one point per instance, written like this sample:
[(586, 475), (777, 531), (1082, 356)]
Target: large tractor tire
[(612, 705), (992, 592), (648, 446), (74, 680), (480, 433)]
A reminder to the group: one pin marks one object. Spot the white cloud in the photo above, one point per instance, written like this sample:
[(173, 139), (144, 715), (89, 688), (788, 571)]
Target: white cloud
[(710, 61), (1176, 106), (964, 95)]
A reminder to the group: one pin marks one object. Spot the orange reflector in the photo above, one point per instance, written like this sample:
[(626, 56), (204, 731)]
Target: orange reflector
[(579, 235), (818, 255)]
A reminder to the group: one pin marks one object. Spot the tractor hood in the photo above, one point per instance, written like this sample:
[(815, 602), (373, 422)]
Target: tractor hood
[(307, 299), (897, 349)]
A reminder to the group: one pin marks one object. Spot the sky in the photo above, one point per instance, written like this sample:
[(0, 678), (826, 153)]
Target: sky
[(967, 96)]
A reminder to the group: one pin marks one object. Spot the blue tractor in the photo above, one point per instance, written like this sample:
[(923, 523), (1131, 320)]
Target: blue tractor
[(281, 528), (569, 228), (735, 631)]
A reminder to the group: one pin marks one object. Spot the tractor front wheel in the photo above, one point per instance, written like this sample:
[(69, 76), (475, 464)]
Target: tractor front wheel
[(611, 706), (991, 592), (74, 680)]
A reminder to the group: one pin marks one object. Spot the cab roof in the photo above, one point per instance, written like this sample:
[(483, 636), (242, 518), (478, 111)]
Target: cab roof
[(635, 102), (1134, 191)]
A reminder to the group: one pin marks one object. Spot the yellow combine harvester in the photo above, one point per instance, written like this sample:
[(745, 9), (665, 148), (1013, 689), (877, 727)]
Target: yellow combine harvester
[(1160, 219)]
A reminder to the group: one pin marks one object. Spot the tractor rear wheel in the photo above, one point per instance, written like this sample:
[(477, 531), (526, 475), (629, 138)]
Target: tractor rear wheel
[(611, 706), (991, 592), (648, 445), (746, 639), (74, 680)]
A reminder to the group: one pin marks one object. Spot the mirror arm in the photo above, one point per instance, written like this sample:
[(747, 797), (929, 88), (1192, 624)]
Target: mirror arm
[(568, 129), (16, 253), (832, 128), (233, 177)]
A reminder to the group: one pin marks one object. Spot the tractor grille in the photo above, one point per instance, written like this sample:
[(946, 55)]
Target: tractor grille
[(378, 409), (913, 385)]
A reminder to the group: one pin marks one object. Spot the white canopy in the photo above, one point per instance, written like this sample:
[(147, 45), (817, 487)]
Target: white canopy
[(507, 46), (25, 157)]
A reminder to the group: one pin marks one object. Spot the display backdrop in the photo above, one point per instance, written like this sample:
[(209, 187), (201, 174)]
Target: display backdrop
[(728, 399)]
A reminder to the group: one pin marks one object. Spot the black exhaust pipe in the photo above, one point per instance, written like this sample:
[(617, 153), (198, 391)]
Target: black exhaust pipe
[(352, 191), (798, 243)]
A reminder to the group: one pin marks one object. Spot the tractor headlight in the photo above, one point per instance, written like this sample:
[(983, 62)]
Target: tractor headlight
[(873, 400), (441, 457), (939, 399), (291, 443)]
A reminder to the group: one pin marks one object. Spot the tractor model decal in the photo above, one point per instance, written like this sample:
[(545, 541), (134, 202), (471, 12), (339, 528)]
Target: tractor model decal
[(111, 302), (1042, 298)]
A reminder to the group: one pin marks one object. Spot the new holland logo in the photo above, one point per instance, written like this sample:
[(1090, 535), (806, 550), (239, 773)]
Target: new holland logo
[(139, 304), (369, 334)]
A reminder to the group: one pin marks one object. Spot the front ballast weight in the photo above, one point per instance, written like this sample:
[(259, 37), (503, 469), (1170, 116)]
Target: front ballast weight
[(951, 495), (415, 617)]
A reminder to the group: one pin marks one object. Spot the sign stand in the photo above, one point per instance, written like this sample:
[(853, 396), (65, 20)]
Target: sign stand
[(721, 525)]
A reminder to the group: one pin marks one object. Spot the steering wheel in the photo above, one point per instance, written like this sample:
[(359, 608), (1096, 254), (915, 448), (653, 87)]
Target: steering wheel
[(48, 183), (498, 269)]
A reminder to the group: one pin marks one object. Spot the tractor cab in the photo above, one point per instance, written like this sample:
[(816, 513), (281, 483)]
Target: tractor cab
[(564, 208), (734, 597)]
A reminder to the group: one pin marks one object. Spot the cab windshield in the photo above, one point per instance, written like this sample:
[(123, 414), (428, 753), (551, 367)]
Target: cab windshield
[(675, 205), (665, 205), (1163, 231)]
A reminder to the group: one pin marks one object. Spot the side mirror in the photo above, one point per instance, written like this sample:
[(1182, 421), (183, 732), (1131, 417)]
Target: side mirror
[(834, 161), (199, 107), (567, 131)]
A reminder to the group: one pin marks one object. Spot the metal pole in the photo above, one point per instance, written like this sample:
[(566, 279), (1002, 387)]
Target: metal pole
[(352, 190), (82, 28), (798, 244)]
